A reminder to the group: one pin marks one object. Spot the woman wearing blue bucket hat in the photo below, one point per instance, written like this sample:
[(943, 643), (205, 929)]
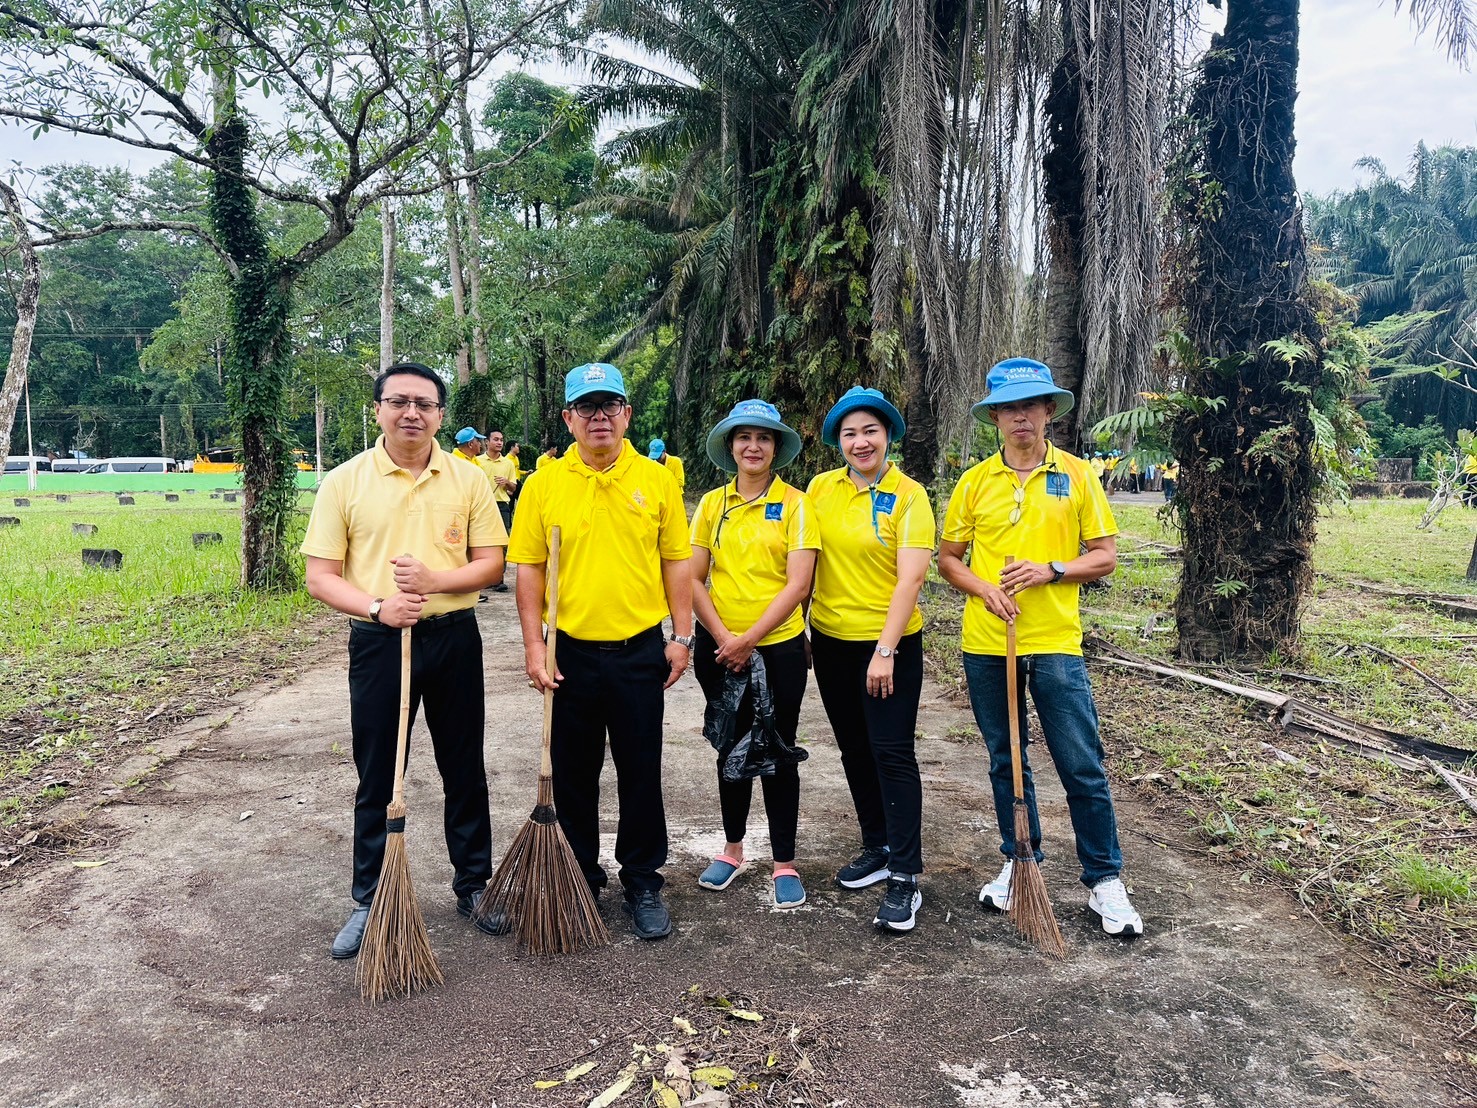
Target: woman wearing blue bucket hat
[(754, 543), (877, 534)]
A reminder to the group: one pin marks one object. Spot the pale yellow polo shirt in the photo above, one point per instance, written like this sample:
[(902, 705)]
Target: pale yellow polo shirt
[(750, 543), (674, 463), (617, 526), (857, 570), (369, 510), (1064, 505), (503, 466)]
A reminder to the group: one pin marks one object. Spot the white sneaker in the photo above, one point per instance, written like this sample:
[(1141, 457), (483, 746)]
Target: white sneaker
[(1109, 899), (997, 893)]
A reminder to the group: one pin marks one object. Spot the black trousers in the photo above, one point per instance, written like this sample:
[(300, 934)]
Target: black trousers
[(876, 738), (612, 689), (784, 663), (445, 678)]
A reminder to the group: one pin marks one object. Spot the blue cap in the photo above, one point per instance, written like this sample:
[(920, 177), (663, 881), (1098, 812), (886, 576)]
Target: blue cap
[(593, 377), (467, 434), (656, 449), (1017, 379), (752, 413), (858, 397)]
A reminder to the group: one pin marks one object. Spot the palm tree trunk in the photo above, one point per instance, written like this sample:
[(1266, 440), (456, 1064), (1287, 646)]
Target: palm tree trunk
[(1063, 189), (387, 284), (1246, 491), (473, 242), (26, 303)]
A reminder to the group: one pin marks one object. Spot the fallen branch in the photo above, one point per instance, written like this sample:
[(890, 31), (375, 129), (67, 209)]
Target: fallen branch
[(1422, 674), (1455, 784), (1457, 607)]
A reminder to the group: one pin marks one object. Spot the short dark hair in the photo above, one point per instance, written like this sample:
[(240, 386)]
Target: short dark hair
[(415, 369)]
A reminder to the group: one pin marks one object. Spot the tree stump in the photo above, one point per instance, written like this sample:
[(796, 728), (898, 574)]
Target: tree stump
[(171, 498), (10, 521), (84, 528), (229, 498), (103, 559), (22, 502), (62, 498), (125, 500), (206, 538)]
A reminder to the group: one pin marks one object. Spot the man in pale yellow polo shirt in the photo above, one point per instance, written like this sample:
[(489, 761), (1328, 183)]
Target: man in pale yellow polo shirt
[(401, 539), (622, 570), (502, 471)]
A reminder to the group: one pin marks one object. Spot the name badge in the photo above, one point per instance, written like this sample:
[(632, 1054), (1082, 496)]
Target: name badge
[(884, 502), (774, 511), (1059, 484)]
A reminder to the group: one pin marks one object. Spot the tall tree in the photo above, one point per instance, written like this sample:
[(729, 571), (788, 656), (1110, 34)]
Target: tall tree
[(359, 102)]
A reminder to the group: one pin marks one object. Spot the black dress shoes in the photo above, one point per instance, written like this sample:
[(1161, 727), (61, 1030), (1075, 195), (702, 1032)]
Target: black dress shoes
[(495, 924), (346, 945)]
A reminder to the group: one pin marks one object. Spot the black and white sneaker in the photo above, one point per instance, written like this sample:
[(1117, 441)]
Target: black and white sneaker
[(867, 868), (899, 908)]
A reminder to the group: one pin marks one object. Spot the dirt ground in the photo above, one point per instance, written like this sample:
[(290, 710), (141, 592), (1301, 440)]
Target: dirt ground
[(191, 967)]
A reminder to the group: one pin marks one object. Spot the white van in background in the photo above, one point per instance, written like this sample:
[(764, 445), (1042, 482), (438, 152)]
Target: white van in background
[(133, 465), (21, 463)]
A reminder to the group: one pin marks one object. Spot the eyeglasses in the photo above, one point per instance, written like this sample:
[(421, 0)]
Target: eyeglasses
[(400, 403), (586, 409), (1020, 498)]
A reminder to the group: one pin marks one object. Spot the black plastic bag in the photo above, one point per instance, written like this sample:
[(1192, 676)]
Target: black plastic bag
[(763, 748)]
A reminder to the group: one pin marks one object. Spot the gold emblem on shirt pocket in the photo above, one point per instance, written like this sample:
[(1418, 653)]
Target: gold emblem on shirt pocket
[(451, 527)]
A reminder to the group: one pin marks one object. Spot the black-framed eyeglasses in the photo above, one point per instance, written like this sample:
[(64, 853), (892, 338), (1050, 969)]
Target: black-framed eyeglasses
[(400, 403), (611, 406)]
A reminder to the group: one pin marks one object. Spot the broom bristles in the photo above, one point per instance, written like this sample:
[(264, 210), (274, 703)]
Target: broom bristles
[(395, 958), (540, 890), (1030, 905)]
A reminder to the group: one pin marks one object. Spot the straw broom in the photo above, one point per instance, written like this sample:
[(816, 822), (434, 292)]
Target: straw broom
[(395, 957), (1030, 906), (539, 888)]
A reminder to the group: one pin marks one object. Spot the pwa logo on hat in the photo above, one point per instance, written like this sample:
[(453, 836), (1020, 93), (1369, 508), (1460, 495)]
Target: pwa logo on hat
[(594, 375)]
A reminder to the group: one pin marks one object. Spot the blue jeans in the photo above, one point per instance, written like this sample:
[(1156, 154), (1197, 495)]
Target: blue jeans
[(1063, 699)]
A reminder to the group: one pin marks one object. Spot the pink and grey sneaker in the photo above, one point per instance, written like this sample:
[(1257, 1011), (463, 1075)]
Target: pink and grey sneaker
[(720, 873)]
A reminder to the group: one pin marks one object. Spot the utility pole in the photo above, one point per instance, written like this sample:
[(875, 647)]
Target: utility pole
[(163, 446), (318, 431), (30, 443)]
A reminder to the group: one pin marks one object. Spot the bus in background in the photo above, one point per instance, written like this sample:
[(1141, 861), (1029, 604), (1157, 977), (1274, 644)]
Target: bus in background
[(222, 459)]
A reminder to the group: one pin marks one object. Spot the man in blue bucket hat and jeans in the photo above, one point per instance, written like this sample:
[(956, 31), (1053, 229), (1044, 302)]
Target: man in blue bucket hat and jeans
[(1028, 511)]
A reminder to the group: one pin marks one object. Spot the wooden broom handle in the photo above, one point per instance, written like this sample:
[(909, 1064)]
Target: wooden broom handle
[(1013, 703), (546, 765), (403, 741)]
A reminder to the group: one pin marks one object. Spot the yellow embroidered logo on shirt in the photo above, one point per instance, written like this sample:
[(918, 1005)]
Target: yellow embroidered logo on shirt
[(638, 499), (453, 535)]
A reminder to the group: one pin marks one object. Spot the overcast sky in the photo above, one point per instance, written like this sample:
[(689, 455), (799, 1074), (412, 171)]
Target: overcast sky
[(1368, 87)]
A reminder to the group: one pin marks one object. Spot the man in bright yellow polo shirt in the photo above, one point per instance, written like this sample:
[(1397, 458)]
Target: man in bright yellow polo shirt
[(401, 539), (622, 570), (1027, 511), (657, 452), (502, 471)]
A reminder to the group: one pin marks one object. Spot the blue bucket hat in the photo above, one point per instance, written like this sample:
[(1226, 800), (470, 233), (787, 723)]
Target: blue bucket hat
[(467, 434), (752, 413), (593, 377), (858, 397), (1017, 379), (656, 450)]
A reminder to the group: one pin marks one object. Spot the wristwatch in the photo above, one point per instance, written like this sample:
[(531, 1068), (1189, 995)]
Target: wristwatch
[(684, 640), (886, 651), (374, 609), (1059, 570)]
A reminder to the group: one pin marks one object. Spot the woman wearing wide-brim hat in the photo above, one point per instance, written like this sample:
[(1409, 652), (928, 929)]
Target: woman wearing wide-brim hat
[(877, 537), (754, 542)]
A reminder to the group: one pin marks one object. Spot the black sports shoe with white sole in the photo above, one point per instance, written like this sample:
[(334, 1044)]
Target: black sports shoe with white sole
[(899, 908), (867, 868)]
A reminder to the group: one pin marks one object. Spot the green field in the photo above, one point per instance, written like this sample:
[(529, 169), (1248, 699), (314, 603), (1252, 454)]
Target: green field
[(48, 484)]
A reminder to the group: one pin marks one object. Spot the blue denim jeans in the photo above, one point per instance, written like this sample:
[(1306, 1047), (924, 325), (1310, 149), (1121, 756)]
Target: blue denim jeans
[(1063, 699)]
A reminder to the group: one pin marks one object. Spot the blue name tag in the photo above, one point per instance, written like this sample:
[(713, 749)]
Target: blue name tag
[(884, 502), (774, 511), (1058, 484)]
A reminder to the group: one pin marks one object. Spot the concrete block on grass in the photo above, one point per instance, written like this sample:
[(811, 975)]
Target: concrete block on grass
[(125, 500), (62, 498), (10, 521), (84, 528), (103, 559), (171, 498), (22, 502), (206, 538), (229, 498)]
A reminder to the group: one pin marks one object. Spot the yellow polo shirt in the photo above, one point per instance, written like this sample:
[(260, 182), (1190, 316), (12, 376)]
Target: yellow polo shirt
[(674, 463), (1097, 466), (543, 460), (1471, 465), (369, 510), (457, 453), (503, 466), (857, 571), (617, 527), (1064, 505), (750, 543), (1171, 472)]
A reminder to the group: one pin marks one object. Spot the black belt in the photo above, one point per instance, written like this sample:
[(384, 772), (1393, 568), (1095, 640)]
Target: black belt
[(614, 644)]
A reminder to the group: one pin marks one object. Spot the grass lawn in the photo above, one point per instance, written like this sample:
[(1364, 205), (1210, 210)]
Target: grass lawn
[(1388, 855), (88, 653)]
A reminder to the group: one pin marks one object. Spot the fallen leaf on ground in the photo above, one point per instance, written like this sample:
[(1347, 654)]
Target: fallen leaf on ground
[(245, 816), (665, 1097), (716, 1076), (89, 865), (576, 1072), (683, 1025), (745, 1014), (617, 1090), (547, 1084)]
